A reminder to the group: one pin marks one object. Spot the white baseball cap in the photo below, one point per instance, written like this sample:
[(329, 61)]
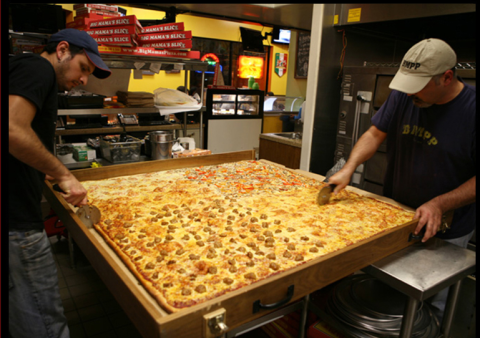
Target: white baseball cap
[(424, 60)]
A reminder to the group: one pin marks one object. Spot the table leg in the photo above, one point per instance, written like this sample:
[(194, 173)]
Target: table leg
[(71, 251), (303, 317), (450, 308), (408, 318)]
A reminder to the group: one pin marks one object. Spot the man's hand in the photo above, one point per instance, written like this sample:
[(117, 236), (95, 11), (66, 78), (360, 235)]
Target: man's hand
[(341, 179), (430, 213), (430, 216), (74, 192)]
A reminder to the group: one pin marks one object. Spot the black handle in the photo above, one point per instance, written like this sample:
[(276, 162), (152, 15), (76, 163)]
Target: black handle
[(416, 237), (57, 188), (257, 305)]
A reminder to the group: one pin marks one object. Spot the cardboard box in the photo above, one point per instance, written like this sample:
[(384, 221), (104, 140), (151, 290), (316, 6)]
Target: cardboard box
[(85, 11), (27, 44), (167, 27), (83, 153), (96, 6), (172, 44), (125, 40), (92, 16), (80, 23), (122, 21), (142, 51), (149, 38), (131, 29)]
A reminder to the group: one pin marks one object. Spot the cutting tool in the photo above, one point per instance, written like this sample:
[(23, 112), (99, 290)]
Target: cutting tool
[(88, 214), (324, 194)]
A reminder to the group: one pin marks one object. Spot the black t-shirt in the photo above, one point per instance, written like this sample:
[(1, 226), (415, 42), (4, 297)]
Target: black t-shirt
[(32, 77)]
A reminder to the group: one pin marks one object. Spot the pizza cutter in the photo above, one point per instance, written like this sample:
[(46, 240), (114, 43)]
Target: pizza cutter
[(324, 194), (88, 214)]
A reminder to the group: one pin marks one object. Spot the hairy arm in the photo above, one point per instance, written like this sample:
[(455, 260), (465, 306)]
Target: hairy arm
[(25, 145), (430, 213), (363, 150)]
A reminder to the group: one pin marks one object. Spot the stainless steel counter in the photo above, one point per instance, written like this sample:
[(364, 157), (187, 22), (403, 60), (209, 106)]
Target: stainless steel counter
[(421, 271), (290, 138), (424, 269)]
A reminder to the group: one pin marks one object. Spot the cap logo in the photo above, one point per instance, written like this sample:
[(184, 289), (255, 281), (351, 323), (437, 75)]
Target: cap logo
[(411, 65)]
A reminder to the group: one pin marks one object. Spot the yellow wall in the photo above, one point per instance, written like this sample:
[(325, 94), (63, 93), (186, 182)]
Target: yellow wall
[(207, 28)]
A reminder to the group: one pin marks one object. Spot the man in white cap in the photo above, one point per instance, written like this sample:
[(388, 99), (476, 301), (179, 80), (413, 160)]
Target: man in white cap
[(429, 124), (70, 57)]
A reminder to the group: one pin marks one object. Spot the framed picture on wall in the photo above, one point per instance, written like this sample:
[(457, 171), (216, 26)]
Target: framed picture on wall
[(302, 52)]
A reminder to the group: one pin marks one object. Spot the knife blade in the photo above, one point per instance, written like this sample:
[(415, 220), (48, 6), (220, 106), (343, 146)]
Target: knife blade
[(323, 196), (88, 214)]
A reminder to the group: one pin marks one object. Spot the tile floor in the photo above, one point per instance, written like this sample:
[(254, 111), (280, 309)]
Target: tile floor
[(90, 308)]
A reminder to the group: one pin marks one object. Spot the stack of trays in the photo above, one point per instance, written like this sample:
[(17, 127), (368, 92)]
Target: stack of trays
[(363, 306)]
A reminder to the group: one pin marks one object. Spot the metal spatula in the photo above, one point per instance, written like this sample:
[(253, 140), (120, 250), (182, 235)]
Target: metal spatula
[(324, 194)]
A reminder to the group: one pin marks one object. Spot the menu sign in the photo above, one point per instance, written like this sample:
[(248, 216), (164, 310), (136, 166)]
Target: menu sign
[(303, 50)]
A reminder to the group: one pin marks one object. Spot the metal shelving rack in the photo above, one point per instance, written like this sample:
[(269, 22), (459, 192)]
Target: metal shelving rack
[(114, 61)]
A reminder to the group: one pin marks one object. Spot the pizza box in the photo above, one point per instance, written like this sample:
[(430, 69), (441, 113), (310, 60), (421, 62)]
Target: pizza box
[(172, 44), (80, 23), (167, 27), (239, 306), (148, 38), (126, 40), (144, 51), (122, 21), (109, 14), (93, 16), (110, 8), (131, 29)]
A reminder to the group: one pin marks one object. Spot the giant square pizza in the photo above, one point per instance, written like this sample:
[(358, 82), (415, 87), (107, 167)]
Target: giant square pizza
[(192, 234)]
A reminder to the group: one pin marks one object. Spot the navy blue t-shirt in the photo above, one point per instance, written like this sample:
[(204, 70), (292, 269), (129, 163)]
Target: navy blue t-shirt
[(430, 151)]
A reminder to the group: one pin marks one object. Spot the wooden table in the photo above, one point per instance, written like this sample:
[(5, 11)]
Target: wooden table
[(289, 286)]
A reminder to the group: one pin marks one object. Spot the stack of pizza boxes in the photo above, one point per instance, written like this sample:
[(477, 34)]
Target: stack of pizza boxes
[(85, 13), (170, 36), (117, 32), (165, 40)]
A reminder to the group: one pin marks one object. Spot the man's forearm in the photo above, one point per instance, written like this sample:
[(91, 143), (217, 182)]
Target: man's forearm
[(27, 147), (365, 148), (459, 197)]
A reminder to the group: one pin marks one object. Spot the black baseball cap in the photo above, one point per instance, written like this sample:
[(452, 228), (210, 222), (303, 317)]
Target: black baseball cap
[(83, 40)]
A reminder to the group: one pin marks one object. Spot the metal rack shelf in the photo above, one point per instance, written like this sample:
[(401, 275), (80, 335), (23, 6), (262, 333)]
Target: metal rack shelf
[(73, 112), (128, 62)]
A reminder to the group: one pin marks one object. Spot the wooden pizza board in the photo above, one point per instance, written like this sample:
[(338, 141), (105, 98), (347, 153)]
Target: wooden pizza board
[(154, 322)]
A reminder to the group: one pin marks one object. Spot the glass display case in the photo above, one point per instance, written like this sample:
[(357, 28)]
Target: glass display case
[(274, 105), (241, 103), (233, 119)]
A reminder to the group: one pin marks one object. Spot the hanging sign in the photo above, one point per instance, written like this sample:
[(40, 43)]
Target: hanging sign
[(280, 63)]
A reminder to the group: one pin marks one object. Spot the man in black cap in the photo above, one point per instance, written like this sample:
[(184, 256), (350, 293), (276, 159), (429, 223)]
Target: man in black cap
[(35, 307)]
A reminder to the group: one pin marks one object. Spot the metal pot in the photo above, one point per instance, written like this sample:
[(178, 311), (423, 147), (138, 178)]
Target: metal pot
[(161, 144)]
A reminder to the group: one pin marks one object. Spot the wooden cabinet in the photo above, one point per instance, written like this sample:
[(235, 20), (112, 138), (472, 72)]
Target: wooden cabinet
[(276, 150)]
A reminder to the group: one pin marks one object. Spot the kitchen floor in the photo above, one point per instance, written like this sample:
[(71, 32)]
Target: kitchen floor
[(90, 308)]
